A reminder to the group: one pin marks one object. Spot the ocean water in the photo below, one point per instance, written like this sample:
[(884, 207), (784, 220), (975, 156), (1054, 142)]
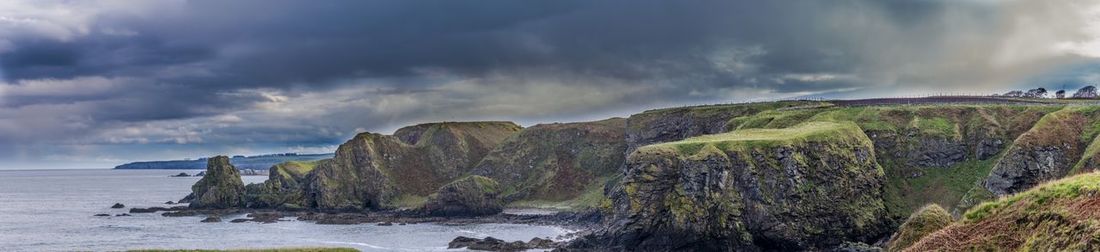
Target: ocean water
[(52, 210)]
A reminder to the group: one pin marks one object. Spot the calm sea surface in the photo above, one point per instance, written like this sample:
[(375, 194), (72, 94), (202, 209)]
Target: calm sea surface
[(51, 210)]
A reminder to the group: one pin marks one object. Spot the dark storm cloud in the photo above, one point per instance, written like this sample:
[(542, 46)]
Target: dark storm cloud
[(257, 74)]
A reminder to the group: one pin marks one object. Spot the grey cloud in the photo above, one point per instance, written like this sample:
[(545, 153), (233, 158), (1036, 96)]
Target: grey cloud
[(306, 73)]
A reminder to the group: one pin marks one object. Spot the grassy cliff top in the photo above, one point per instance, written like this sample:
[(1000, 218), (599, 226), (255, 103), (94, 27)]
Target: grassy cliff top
[(296, 168), (810, 131), (1067, 188)]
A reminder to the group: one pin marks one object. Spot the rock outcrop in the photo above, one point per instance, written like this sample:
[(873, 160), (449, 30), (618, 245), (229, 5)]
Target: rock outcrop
[(220, 188), (928, 219), (813, 186), (469, 196), (371, 170), (557, 162), (1048, 151), (283, 189)]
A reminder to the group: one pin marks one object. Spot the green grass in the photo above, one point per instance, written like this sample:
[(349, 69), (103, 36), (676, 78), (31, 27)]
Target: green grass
[(944, 186), (811, 131), (409, 201), (252, 250), (1070, 187)]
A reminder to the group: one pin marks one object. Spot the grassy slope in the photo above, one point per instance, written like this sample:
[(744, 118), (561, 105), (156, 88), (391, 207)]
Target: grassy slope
[(1059, 215), (822, 131)]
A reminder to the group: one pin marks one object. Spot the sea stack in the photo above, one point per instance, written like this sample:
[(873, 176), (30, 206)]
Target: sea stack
[(221, 187)]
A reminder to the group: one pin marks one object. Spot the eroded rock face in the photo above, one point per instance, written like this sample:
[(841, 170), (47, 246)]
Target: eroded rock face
[(283, 189), (220, 188), (799, 196), (469, 196), (370, 170), (1048, 151), (556, 161)]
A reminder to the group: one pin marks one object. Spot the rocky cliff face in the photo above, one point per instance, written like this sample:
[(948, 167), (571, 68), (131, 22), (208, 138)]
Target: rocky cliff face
[(556, 162), (809, 187), (220, 188), (283, 189), (1048, 151), (469, 196), (371, 170)]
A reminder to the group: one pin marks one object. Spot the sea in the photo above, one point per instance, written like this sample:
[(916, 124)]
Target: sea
[(52, 210)]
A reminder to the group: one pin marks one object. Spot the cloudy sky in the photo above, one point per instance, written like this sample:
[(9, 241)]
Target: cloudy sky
[(86, 84)]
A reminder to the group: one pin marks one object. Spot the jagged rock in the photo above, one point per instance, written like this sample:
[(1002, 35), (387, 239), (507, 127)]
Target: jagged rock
[(385, 224), (118, 205), (809, 187), (470, 196), (200, 174), (283, 188), (102, 215), (371, 170), (220, 188), (239, 221), (212, 219), (122, 215), (182, 174), (928, 219), (169, 202), (556, 162)]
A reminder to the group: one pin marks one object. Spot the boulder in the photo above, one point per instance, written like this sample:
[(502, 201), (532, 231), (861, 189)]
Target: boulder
[(118, 205), (221, 187), (182, 174), (469, 196), (212, 219)]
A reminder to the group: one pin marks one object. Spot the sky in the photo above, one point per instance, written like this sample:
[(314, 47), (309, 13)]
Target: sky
[(97, 83)]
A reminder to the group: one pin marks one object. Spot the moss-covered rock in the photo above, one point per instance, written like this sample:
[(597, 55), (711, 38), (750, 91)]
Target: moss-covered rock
[(1050, 150), (284, 187), (469, 196), (812, 186), (556, 162), (1062, 215), (928, 219), (220, 188), (372, 170)]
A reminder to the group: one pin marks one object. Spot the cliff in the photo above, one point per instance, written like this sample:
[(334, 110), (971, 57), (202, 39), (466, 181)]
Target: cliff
[(806, 187), (372, 171), (1050, 150), (558, 162)]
